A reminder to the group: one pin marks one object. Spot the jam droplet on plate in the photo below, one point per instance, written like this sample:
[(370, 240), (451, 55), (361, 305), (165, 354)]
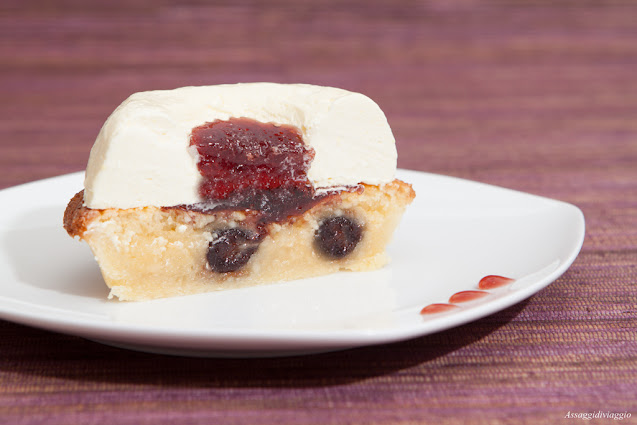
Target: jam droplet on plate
[(487, 282), (494, 281), (466, 296), (438, 308)]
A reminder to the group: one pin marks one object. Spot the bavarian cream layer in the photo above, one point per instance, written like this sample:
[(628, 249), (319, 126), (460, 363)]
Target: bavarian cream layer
[(142, 155)]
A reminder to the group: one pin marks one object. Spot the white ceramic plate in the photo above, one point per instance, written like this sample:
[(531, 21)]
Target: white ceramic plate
[(455, 233)]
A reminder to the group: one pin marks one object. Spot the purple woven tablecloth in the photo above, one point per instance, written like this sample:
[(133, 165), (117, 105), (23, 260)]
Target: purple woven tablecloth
[(535, 96)]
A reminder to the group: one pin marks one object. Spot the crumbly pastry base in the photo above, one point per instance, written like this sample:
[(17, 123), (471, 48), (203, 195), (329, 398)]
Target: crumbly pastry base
[(153, 252)]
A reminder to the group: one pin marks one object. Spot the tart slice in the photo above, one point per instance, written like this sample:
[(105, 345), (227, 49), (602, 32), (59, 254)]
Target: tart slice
[(209, 188)]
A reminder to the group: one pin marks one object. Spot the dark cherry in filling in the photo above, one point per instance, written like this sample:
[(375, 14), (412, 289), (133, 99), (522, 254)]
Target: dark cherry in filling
[(337, 236), (231, 249)]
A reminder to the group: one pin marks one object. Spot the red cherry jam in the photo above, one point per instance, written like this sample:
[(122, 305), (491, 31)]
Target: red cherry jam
[(242, 153), (247, 164)]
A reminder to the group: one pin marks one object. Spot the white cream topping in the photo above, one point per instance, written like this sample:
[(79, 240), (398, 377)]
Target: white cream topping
[(142, 155)]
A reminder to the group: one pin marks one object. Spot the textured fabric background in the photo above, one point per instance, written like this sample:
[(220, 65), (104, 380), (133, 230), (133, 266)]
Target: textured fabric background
[(538, 96)]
